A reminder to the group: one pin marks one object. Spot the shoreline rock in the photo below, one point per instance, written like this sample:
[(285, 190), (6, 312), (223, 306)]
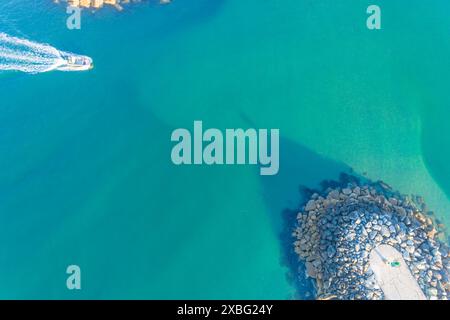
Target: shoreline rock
[(99, 4)]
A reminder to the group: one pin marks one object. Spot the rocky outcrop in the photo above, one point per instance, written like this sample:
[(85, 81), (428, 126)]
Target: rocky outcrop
[(338, 227), (98, 4)]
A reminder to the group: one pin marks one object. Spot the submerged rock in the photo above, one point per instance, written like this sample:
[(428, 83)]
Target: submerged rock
[(385, 232)]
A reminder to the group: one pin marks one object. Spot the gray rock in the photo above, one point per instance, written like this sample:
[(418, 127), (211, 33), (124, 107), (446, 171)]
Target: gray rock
[(385, 232), (421, 266), (311, 270), (372, 235), (346, 191), (393, 201), (311, 205), (351, 236), (402, 212), (364, 232), (432, 292), (317, 264), (407, 221), (334, 194), (406, 256), (331, 251), (410, 249), (392, 229)]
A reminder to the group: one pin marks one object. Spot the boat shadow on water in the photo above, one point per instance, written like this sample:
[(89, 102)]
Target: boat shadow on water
[(302, 172)]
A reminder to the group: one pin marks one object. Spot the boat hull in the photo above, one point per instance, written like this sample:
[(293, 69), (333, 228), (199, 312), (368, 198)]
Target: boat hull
[(74, 62)]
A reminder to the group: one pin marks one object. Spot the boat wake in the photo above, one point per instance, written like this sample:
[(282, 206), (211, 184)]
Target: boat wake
[(26, 56)]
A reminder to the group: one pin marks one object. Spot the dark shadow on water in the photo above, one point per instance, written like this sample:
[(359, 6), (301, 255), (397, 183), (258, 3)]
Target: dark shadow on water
[(180, 16), (301, 172)]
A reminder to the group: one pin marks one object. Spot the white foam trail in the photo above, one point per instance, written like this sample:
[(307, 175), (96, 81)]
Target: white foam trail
[(27, 56), (11, 55), (37, 48)]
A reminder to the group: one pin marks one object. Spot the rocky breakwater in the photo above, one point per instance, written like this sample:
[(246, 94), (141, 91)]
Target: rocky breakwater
[(339, 227)]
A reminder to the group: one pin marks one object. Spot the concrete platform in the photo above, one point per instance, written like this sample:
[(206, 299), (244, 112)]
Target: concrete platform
[(393, 275)]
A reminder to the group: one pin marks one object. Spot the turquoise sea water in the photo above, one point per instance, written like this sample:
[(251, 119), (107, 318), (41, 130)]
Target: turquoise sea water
[(86, 173)]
